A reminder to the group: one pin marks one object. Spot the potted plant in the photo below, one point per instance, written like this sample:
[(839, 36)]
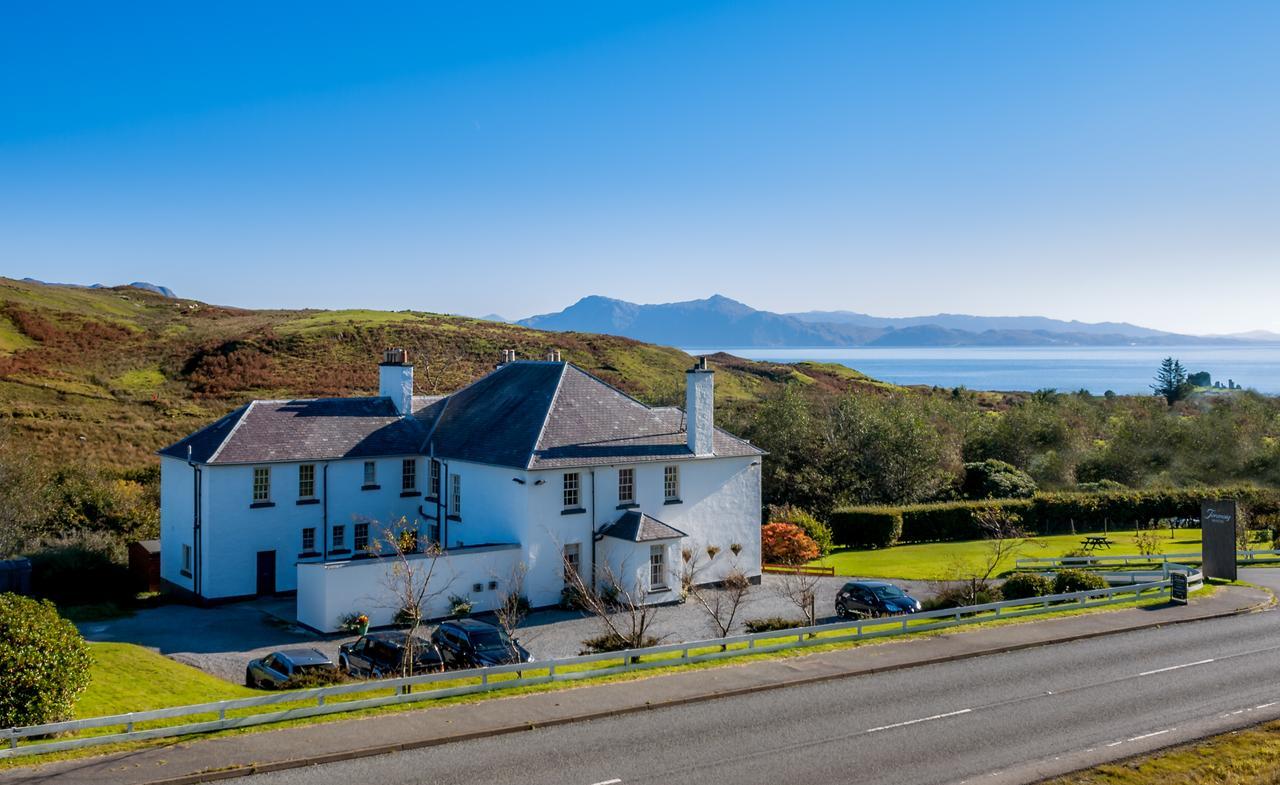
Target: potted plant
[(357, 623)]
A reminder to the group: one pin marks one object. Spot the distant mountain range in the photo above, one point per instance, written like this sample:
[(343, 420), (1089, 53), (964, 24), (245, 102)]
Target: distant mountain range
[(150, 287), (721, 322)]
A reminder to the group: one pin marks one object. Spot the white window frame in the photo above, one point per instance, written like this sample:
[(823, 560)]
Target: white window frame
[(455, 495), (671, 482), (261, 484), (361, 532), (309, 532), (339, 536), (572, 490), (627, 486), (434, 487), (409, 474), (303, 480), (572, 556), (657, 567), (370, 473), (186, 558)]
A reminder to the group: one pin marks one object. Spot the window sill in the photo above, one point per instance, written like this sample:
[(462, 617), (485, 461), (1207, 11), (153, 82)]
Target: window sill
[(628, 506), (457, 518), (370, 487), (309, 555), (659, 590), (573, 511), (673, 501), (307, 501), (407, 494), (261, 505), (185, 573), (339, 552)]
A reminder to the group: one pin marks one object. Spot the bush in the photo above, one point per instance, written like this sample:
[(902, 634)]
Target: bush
[(867, 527), (772, 623), (611, 642), (818, 531), (44, 663), (992, 479), (1026, 584), (784, 543), (958, 597), (1068, 581), (80, 568), (316, 677), (571, 599), (460, 606)]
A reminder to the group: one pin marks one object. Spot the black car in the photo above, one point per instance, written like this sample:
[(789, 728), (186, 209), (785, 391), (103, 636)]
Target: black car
[(468, 643), (380, 654), (276, 669), (873, 598)]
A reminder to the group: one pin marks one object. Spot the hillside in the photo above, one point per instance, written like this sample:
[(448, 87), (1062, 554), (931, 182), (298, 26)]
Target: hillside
[(106, 376)]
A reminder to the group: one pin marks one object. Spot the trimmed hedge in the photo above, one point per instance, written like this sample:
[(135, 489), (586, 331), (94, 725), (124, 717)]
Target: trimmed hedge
[(867, 527), (1044, 514), (1024, 585), (1068, 581)]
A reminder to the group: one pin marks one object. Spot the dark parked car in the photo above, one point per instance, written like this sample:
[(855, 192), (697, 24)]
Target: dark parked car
[(381, 654), (873, 598), (276, 669), (467, 643)]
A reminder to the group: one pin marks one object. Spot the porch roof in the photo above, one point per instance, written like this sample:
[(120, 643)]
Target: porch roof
[(635, 526)]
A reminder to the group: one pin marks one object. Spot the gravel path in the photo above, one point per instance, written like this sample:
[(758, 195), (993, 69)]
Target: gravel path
[(221, 640)]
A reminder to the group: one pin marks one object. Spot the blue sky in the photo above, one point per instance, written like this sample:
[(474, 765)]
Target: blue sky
[(1092, 160)]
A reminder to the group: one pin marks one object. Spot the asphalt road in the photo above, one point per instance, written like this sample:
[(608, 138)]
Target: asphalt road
[(1012, 717)]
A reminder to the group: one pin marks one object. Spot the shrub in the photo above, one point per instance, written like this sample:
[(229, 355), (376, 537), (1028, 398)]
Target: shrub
[(772, 623), (992, 479), (316, 677), (818, 531), (959, 596), (784, 543), (408, 615), (1026, 584), (571, 598), (460, 606), (44, 663), (867, 527), (80, 568), (1068, 581), (611, 642)]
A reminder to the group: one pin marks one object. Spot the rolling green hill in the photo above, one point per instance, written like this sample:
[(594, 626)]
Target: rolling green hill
[(107, 376)]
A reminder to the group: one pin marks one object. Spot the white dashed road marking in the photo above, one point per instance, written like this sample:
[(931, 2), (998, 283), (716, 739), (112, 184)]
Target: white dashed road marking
[(922, 719), (1175, 667)]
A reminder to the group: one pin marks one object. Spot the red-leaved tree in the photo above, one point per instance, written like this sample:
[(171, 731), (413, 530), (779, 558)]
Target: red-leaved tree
[(786, 543)]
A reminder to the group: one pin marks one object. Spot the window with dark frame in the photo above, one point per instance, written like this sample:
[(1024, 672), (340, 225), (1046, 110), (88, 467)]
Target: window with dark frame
[(186, 559), (261, 484), (308, 540), (361, 534), (339, 537), (626, 486), (409, 474), (370, 472), (307, 481), (572, 558), (572, 495)]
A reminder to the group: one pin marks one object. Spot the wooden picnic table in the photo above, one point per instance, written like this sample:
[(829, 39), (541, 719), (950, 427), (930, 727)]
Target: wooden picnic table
[(1093, 543)]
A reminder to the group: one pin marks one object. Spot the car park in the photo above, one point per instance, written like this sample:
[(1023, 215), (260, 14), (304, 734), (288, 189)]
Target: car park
[(275, 670), (858, 599), (379, 654), (470, 643)]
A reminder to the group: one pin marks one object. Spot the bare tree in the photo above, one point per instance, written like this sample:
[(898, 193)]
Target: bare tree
[(721, 602), (1003, 537), (801, 589), (625, 621), (410, 581), (513, 605)]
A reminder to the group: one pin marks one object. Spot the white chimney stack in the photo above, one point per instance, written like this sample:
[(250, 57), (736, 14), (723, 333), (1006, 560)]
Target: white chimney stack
[(395, 380), (699, 407)]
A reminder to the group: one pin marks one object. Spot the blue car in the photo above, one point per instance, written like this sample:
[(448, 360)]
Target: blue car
[(859, 599)]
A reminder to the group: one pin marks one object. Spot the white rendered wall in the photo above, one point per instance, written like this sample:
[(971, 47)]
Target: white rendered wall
[(328, 592), (177, 510), (699, 407), (396, 382)]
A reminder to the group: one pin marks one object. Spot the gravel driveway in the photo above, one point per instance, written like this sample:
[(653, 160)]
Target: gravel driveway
[(221, 640)]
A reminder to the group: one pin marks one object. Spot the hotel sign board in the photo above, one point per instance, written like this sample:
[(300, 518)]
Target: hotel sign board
[(1178, 586), (1218, 521)]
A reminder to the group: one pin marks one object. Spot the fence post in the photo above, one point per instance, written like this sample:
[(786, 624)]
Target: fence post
[(551, 671), (484, 679)]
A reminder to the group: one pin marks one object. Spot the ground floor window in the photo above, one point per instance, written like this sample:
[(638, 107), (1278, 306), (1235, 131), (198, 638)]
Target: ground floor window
[(339, 537), (361, 536), (186, 559), (657, 567), (572, 560), (433, 533), (308, 540)]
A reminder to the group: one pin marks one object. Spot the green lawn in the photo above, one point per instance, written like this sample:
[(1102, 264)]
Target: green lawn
[(131, 678), (938, 560)]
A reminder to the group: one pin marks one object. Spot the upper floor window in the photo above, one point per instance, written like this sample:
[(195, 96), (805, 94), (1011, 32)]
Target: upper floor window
[(409, 474), (671, 483), (435, 478), (262, 483), (370, 472), (307, 481), (572, 494), (186, 559), (626, 486), (455, 493)]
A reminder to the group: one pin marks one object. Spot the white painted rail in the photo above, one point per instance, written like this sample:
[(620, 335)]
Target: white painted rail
[(294, 704), (1248, 557)]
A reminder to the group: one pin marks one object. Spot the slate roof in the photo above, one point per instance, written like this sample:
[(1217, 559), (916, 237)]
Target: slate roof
[(635, 526), (526, 415)]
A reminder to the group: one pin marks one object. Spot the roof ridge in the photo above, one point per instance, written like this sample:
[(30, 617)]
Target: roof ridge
[(213, 456), (546, 417)]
